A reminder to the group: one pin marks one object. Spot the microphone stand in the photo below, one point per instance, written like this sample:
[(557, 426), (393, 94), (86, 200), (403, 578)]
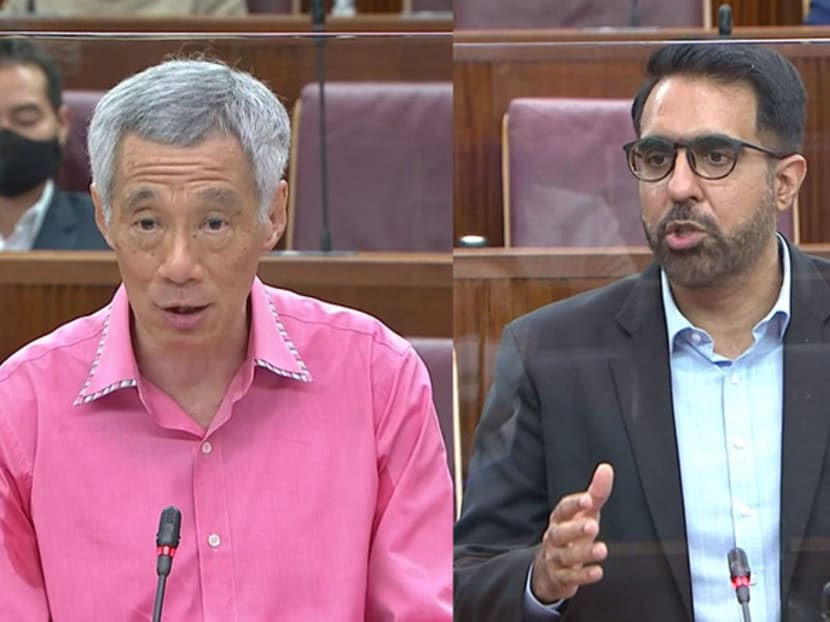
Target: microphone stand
[(634, 15), (159, 598), (318, 25)]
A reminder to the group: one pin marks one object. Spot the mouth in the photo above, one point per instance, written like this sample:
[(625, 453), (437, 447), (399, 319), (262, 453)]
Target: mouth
[(184, 309), (683, 227), (683, 235)]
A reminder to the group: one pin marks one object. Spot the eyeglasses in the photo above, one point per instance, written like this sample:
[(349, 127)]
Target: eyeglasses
[(712, 156)]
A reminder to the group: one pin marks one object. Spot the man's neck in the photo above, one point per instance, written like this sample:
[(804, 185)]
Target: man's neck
[(196, 378), (730, 309), (13, 208)]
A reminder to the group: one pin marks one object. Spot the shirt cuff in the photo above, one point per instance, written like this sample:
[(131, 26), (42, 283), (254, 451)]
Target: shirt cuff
[(535, 611)]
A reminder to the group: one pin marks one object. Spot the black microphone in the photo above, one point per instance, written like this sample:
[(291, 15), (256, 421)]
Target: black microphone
[(725, 20), (825, 603), (739, 573), (318, 24), (167, 541)]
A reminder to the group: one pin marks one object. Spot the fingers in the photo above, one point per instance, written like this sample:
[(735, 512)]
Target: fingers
[(567, 560), (601, 485), (569, 556)]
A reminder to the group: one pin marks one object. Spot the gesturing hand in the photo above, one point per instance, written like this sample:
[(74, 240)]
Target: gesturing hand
[(569, 555)]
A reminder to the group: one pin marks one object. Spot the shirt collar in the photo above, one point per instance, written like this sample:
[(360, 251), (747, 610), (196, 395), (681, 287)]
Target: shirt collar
[(114, 366), (676, 322), (28, 225)]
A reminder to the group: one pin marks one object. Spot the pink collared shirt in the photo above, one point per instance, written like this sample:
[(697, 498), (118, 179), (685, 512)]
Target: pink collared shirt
[(319, 493)]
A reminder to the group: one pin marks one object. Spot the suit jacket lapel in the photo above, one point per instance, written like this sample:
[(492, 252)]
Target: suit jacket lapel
[(60, 225), (643, 384), (806, 424)]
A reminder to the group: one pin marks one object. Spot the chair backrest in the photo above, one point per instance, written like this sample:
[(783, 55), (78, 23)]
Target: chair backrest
[(565, 179), (389, 154), (74, 173), (437, 354), (273, 6), (566, 182), (440, 6), (469, 14)]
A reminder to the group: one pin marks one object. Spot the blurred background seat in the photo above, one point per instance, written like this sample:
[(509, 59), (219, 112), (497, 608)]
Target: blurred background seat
[(389, 167), (273, 6), (483, 14), (74, 172), (565, 179), (437, 354)]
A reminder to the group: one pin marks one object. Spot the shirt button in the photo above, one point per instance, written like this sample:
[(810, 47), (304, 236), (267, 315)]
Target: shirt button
[(739, 443), (696, 337), (214, 540), (207, 447), (745, 510), (735, 379)]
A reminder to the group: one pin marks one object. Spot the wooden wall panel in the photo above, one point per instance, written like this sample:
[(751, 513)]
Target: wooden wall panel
[(489, 75), (411, 292), (762, 12)]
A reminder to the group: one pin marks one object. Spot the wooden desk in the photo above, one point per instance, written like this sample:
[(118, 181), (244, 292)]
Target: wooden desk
[(411, 292), (493, 286), (493, 68)]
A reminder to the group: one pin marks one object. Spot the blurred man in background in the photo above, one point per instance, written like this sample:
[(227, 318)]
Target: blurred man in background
[(34, 124)]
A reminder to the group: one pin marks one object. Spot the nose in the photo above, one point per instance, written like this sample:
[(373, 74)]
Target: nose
[(683, 184), (180, 263)]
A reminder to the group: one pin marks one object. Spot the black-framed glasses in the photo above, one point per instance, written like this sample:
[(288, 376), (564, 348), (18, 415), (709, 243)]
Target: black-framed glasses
[(712, 156)]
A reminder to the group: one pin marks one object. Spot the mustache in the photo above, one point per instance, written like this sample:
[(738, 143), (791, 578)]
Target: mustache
[(685, 212)]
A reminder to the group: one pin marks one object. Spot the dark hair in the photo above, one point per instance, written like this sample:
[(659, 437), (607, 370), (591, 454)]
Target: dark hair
[(20, 51), (779, 91)]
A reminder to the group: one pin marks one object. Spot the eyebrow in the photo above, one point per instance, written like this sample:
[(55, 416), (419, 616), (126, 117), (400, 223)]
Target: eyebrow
[(220, 197), (136, 197)]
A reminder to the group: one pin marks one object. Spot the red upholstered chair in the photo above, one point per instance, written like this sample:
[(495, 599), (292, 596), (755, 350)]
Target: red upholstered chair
[(389, 167), (437, 354), (565, 179), (273, 6), (478, 14), (74, 172)]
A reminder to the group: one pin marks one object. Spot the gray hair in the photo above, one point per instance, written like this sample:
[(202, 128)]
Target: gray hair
[(183, 102)]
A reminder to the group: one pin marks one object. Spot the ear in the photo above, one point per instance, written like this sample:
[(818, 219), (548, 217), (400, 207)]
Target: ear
[(100, 219), (789, 175), (276, 217), (64, 123)]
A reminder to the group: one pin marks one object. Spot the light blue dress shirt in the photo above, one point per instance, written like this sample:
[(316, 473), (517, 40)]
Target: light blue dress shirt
[(728, 422), (727, 417)]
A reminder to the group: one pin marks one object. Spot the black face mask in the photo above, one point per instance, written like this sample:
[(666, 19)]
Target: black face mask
[(24, 163)]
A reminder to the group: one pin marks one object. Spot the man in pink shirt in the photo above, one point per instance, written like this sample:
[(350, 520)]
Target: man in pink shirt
[(298, 438)]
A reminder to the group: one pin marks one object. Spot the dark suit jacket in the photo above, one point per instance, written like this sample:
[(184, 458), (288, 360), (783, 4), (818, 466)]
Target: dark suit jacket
[(69, 224), (819, 12), (587, 380)]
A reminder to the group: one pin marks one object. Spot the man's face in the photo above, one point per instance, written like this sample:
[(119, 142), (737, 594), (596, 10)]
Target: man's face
[(187, 236), (703, 230), (25, 107)]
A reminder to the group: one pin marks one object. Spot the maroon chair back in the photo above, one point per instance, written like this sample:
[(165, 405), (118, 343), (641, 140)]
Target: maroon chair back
[(74, 173), (566, 182), (389, 167), (436, 352), (270, 6), (481, 14)]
